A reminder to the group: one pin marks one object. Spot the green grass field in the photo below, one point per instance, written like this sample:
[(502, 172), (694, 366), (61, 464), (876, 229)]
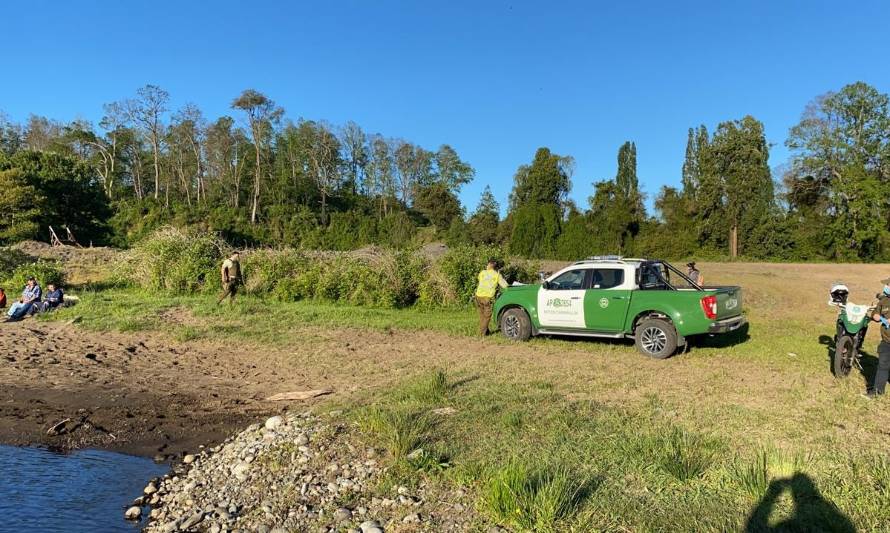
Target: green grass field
[(565, 435)]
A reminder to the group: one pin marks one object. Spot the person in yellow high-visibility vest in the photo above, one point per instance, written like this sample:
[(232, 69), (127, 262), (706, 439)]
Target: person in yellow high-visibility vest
[(489, 281)]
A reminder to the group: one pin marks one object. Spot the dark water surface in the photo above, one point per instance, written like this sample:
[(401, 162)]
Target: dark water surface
[(86, 490)]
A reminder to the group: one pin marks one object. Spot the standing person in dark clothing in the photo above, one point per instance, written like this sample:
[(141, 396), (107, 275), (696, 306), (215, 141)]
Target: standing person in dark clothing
[(693, 273), (882, 315), (231, 277)]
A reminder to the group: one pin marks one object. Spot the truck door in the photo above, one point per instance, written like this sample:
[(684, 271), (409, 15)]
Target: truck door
[(561, 304), (607, 300)]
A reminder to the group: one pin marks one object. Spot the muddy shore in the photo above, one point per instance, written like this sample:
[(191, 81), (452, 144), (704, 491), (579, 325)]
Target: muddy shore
[(66, 388)]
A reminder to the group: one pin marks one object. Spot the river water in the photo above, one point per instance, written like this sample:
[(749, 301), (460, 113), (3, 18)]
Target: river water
[(86, 490)]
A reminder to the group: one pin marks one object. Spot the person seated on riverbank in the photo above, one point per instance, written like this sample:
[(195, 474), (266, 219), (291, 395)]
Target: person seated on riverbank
[(30, 296), (2, 299), (54, 298)]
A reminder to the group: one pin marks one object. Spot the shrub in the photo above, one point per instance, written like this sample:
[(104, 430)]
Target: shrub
[(265, 270), (452, 280), (11, 259), (45, 272), (174, 260)]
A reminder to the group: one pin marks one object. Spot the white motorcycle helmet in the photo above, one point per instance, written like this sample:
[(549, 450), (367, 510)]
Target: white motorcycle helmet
[(838, 294)]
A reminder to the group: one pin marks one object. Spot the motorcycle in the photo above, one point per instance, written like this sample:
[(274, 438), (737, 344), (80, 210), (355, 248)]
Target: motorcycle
[(852, 326)]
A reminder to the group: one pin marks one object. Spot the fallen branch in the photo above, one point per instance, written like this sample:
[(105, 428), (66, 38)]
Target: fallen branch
[(56, 428), (298, 395)]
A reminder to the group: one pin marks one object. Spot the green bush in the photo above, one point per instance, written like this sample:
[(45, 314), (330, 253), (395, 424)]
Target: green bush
[(452, 280), (267, 271), (11, 259), (45, 272), (174, 260), (188, 262)]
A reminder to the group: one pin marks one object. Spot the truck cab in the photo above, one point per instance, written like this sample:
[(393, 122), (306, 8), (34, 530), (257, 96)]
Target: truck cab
[(613, 297)]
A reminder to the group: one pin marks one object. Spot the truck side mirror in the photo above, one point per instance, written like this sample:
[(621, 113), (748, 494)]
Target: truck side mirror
[(545, 284)]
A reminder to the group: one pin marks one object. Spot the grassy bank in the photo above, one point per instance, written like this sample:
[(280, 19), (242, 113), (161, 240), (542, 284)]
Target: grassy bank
[(738, 433)]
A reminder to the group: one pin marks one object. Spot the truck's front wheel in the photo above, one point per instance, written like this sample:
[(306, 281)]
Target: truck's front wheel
[(656, 338), (515, 324)]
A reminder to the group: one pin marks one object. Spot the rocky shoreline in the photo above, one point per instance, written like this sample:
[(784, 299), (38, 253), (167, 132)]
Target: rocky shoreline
[(296, 472)]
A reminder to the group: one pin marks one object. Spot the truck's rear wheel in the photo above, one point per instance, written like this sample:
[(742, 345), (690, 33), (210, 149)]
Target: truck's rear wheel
[(515, 324), (656, 338), (844, 354)]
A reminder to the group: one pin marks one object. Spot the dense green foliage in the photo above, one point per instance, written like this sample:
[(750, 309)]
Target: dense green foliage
[(308, 184), (46, 189), (45, 272), (187, 262)]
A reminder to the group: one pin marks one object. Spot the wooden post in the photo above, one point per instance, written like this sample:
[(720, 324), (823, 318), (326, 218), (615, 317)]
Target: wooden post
[(53, 238)]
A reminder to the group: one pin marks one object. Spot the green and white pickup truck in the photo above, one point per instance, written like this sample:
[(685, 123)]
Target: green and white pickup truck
[(611, 297)]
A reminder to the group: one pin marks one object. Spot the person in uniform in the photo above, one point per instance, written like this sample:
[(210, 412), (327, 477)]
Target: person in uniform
[(231, 277), (489, 281), (882, 315)]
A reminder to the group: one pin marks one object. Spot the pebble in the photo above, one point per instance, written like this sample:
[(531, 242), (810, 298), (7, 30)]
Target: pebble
[(342, 514), (133, 513), (368, 526), (274, 422), (150, 489), (411, 518), (188, 459), (302, 439), (192, 521), (240, 471)]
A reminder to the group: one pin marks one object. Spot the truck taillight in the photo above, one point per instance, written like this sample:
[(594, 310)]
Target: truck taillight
[(709, 306)]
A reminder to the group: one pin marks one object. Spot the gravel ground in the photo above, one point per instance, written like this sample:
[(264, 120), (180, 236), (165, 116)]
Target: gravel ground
[(296, 472)]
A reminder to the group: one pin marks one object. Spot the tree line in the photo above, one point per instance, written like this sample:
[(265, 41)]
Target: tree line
[(256, 177)]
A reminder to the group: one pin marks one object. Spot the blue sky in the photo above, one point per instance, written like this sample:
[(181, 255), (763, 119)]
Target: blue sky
[(496, 80)]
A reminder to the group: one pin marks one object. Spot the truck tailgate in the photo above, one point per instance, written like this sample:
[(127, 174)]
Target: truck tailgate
[(729, 301)]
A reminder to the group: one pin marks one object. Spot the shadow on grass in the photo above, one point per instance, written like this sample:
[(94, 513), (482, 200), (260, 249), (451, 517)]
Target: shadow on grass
[(811, 512), (722, 340), (869, 362)]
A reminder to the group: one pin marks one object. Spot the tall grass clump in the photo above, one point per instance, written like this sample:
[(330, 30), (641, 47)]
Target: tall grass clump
[(685, 455), (427, 389), (174, 260), (753, 476), (530, 498), (401, 430)]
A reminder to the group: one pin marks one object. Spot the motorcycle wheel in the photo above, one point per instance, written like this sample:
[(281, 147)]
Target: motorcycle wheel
[(844, 353)]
